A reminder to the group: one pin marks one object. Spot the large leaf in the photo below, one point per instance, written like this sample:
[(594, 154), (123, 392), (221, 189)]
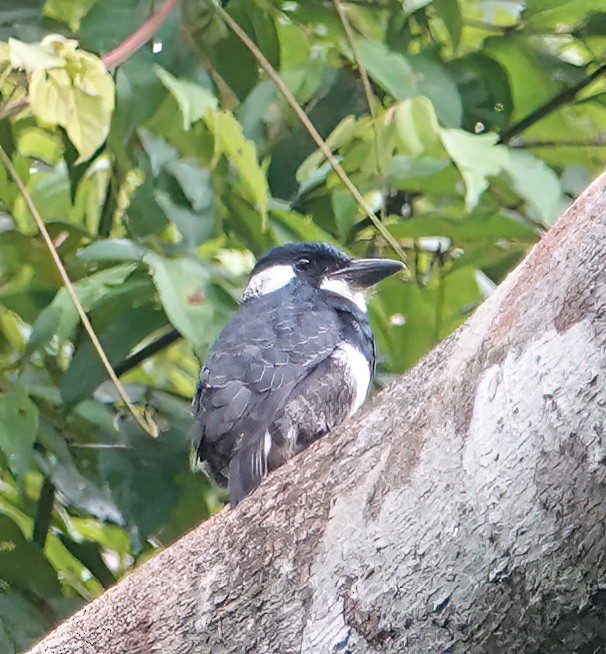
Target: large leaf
[(18, 426), (60, 317), (477, 157), (405, 77), (77, 94), (121, 320), (183, 286), (242, 155), (194, 100), (136, 471)]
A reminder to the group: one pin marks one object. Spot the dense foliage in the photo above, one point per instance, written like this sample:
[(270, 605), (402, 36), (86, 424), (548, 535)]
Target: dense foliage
[(162, 177)]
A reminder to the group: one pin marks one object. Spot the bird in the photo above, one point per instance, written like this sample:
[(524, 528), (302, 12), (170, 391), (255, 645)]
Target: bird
[(295, 360)]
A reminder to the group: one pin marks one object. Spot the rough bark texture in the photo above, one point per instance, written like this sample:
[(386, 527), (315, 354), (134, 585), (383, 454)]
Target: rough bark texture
[(463, 511)]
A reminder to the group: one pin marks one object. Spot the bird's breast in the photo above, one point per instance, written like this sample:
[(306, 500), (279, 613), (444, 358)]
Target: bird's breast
[(357, 369)]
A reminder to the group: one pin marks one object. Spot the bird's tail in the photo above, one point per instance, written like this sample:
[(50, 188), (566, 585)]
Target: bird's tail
[(248, 465)]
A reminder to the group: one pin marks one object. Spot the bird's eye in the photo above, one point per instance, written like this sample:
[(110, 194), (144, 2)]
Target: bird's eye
[(302, 264)]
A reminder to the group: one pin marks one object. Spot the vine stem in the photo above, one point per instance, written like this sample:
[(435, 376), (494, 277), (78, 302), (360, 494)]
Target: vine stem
[(351, 40), (313, 132), (139, 37), (147, 424)]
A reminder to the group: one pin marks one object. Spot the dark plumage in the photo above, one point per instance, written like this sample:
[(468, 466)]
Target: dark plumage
[(295, 360)]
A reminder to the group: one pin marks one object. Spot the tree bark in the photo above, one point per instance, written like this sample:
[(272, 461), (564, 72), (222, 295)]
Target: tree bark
[(463, 511)]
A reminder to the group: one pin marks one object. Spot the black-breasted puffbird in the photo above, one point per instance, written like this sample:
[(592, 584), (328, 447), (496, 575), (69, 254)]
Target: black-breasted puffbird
[(296, 359)]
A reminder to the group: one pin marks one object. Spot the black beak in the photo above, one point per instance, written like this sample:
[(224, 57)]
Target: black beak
[(362, 273)]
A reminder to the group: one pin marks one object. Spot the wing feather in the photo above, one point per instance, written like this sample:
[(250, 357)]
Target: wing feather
[(248, 377)]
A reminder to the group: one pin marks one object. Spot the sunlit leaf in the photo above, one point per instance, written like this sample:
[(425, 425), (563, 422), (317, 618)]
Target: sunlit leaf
[(194, 101), (477, 157), (77, 94), (68, 11)]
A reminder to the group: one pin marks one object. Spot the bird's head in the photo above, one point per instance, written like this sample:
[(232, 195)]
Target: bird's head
[(320, 266)]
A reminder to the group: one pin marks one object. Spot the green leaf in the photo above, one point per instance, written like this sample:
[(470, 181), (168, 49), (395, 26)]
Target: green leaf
[(91, 193), (195, 182), (51, 193), (403, 167), (60, 317), (135, 472), (160, 153), (121, 321), (21, 622), (39, 143), (346, 211), (70, 12), (18, 426), (241, 153), (477, 157), (112, 249), (475, 228), (410, 6), (409, 77), (417, 129), (434, 81), (450, 13), (195, 227), (537, 184), (389, 69), (22, 563), (183, 286), (530, 84), (194, 100), (78, 489)]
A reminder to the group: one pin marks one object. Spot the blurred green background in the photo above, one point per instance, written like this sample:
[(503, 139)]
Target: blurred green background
[(161, 180)]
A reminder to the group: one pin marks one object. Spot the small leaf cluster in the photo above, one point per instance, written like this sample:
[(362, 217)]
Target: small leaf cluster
[(467, 125)]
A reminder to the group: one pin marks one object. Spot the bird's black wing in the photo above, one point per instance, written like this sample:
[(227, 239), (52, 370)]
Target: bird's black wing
[(251, 371)]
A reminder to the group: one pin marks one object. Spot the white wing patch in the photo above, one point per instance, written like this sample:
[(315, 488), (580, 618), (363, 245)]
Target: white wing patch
[(268, 280), (341, 287), (358, 370)]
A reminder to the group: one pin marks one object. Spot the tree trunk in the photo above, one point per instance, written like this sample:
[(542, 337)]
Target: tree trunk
[(463, 511)]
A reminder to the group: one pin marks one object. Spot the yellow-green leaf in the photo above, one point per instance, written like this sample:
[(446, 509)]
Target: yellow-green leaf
[(79, 97), (33, 56), (70, 12)]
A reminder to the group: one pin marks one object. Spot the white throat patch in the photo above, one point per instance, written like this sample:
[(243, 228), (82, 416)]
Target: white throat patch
[(342, 288), (268, 280)]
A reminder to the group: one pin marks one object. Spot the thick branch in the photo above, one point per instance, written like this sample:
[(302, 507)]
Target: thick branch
[(464, 511)]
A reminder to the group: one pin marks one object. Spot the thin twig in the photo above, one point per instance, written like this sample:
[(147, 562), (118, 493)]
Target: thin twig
[(489, 27), (139, 37), (146, 352), (313, 132), (351, 40), (146, 424), (14, 107), (561, 98), (558, 144)]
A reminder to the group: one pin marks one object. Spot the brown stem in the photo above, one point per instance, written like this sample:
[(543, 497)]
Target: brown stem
[(14, 107), (139, 38)]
